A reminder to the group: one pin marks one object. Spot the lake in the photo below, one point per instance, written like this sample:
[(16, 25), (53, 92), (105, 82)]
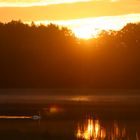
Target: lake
[(69, 114)]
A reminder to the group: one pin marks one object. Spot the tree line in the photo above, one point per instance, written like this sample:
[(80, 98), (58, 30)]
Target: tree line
[(50, 56)]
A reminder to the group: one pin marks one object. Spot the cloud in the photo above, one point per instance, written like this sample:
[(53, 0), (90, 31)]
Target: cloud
[(24, 3), (61, 11), (28, 3)]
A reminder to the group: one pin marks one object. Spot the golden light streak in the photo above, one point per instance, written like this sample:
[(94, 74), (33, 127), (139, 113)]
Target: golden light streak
[(97, 128), (80, 98), (90, 126), (15, 117)]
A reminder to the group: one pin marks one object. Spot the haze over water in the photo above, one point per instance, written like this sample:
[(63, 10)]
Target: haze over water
[(75, 95)]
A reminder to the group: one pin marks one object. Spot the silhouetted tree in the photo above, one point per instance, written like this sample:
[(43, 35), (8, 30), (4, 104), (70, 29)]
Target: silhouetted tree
[(39, 56)]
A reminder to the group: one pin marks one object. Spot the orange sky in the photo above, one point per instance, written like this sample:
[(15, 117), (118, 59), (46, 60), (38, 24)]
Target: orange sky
[(69, 12)]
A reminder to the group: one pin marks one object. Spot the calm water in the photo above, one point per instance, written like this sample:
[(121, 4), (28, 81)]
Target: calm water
[(70, 115)]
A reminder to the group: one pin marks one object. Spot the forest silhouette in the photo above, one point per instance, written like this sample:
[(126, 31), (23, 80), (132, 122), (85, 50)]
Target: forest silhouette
[(50, 56)]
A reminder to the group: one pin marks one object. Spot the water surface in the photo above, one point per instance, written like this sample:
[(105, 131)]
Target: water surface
[(70, 115)]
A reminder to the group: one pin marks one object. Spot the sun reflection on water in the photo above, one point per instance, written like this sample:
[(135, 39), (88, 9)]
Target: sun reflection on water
[(93, 130)]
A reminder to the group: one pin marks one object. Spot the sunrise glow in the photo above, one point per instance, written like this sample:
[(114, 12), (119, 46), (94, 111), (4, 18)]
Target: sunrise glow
[(86, 18), (90, 27), (70, 69)]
